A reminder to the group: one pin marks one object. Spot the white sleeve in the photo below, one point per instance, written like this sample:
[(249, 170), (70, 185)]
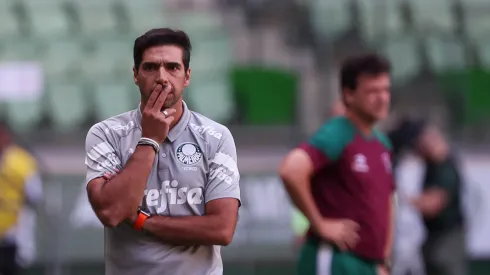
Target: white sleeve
[(33, 189), (101, 155), (26, 237), (224, 178)]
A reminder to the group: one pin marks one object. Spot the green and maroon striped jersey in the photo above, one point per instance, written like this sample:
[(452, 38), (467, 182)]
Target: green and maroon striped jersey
[(353, 180)]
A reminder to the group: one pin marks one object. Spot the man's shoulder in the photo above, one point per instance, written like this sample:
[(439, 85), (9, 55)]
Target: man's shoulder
[(119, 125), (336, 131), (208, 129), (339, 124), (333, 136)]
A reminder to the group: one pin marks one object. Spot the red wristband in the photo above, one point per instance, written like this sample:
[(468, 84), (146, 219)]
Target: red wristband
[(140, 220)]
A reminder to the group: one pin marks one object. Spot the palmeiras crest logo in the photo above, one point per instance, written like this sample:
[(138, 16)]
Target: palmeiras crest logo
[(188, 153)]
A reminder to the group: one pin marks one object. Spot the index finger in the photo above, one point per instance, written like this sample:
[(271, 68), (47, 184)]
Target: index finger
[(153, 97), (161, 100)]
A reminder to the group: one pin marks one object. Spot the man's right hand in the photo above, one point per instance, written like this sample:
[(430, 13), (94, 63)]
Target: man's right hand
[(342, 232), (155, 125)]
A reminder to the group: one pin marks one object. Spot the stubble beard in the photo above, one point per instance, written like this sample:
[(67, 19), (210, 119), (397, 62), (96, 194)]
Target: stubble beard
[(170, 103), (362, 115)]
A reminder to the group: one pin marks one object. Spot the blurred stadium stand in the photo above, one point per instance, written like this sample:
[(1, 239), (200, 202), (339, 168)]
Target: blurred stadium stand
[(266, 68), (88, 46)]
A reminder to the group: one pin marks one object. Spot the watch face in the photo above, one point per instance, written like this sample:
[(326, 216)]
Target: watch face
[(146, 213)]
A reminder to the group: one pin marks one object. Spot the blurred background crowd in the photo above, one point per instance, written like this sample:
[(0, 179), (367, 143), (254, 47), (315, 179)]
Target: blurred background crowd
[(265, 68)]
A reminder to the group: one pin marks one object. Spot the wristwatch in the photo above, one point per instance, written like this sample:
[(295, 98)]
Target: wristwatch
[(140, 219)]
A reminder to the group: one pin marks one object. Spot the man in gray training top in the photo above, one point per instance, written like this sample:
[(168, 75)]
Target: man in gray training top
[(174, 200)]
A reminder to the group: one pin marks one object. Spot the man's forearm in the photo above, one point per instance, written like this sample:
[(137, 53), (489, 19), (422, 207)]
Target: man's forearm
[(391, 229), (300, 193), (193, 230), (122, 195), (295, 172), (431, 202)]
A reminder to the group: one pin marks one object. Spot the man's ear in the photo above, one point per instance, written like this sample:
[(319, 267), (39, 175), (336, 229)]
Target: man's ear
[(187, 80), (135, 75), (348, 96)]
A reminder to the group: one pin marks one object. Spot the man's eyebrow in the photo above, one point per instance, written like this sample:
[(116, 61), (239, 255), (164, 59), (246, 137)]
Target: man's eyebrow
[(173, 63), (151, 63)]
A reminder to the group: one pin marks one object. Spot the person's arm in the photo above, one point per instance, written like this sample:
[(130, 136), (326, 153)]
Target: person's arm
[(431, 202), (391, 228), (385, 267), (222, 198), (25, 233), (296, 171), (33, 189), (215, 228), (435, 198), (302, 163), (118, 199)]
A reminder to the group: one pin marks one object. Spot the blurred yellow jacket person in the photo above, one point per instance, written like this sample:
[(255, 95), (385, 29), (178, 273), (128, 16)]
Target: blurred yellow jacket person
[(15, 167), (20, 185)]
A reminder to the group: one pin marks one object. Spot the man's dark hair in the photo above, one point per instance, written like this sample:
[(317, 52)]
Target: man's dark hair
[(406, 133), (367, 64), (159, 37)]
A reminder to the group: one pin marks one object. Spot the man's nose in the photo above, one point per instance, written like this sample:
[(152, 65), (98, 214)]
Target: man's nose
[(384, 95), (162, 75)]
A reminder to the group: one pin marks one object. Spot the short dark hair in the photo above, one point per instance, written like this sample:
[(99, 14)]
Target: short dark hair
[(162, 36), (406, 133), (366, 64)]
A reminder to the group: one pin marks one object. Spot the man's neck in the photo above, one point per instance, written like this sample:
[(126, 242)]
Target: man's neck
[(364, 126)]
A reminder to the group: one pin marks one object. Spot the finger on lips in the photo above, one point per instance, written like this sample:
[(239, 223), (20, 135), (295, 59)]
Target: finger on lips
[(153, 97), (160, 100)]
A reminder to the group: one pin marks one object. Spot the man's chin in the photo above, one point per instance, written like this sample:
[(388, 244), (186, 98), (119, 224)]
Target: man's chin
[(379, 115), (169, 104), (172, 100)]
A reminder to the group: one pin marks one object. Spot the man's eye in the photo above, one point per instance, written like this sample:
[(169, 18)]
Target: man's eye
[(150, 67)]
